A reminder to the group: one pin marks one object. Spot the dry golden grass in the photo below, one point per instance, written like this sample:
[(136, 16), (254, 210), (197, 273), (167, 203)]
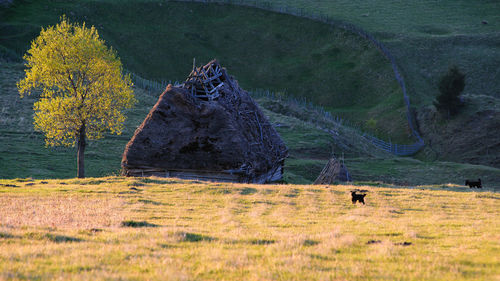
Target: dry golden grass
[(60, 211), (188, 230)]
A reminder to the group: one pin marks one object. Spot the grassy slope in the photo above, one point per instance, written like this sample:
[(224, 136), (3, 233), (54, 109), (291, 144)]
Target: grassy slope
[(427, 36), (263, 50), (22, 151), (199, 231), (311, 146), (478, 124)]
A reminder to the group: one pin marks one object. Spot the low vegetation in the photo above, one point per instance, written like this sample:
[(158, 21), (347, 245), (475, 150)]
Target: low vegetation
[(168, 229)]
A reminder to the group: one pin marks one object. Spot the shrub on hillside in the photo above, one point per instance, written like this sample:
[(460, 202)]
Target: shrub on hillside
[(451, 86)]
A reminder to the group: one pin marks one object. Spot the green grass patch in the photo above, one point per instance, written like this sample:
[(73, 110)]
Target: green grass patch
[(194, 237), (51, 237), (261, 241), (132, 223), (248, 191)]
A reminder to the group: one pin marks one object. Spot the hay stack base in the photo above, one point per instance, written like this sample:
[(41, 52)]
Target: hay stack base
[(209, 129)]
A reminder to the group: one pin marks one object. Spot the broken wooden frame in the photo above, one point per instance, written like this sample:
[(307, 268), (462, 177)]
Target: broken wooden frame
[(204, 82)]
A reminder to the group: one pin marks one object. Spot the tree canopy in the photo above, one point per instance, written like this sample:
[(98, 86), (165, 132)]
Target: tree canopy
[(83, 90), (451, 86)]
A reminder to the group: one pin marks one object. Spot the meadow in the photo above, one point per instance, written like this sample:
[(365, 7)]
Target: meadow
[(169, 229)]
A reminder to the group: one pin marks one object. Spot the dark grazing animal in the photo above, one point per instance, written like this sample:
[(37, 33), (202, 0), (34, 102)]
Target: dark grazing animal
[(358, 197), (472, 184)]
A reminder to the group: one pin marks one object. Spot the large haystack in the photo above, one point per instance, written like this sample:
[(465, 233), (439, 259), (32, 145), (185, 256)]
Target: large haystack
[(333, 172), (207, 128)]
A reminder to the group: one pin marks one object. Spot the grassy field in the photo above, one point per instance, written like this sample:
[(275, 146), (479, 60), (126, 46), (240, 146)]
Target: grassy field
[(263, 50), (168, 229)]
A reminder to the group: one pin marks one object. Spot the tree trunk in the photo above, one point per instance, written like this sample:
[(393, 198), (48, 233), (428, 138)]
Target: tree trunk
[(81, 150)]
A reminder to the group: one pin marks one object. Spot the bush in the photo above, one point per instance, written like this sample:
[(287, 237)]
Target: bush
[(451, 86)]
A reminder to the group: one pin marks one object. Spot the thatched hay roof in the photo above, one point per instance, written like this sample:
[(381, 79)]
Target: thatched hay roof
[(196, 128)]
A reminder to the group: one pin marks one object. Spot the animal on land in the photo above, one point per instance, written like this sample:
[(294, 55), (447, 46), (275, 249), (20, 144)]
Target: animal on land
[(357, 197), (472, 184)]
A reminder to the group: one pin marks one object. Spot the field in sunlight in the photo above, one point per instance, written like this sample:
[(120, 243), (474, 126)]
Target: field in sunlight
[(169, 229)]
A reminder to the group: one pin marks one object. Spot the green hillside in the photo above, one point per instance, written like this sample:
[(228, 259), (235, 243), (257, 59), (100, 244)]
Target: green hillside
[(426, 37), (310, 137), (264, 50)]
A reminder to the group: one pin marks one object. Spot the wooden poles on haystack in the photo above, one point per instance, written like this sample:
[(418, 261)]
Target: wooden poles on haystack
[(205, 82)]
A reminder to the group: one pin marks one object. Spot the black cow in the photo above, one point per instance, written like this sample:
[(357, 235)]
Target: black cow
[(358, 197), (472, 184)]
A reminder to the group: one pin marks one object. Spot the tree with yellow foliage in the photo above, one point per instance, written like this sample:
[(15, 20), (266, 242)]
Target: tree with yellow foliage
[(83, 90)]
